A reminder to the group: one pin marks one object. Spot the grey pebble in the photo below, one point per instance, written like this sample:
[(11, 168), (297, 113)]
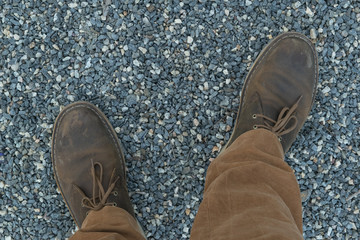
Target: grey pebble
[(153, 68)]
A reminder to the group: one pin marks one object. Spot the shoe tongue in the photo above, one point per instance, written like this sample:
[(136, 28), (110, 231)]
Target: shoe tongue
[(271, 108), (265, 106), (275, 92)]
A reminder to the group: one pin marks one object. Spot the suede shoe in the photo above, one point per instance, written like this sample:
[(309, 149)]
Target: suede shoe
[(88, 161), (279, 90)]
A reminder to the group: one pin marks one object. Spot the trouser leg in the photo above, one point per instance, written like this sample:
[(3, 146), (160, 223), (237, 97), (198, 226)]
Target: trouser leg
[(109, 223), (250, 193)]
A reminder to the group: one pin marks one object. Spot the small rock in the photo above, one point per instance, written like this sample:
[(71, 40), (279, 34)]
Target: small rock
[(73, 5), (105, 48), (15, 67), (326, 90), (143, 50), (136, 63), (309, 12), (248, 3), (88, 63), (70, 98), (186, 170), (190, 39), (312, 33), (196, 122), (296, 5)]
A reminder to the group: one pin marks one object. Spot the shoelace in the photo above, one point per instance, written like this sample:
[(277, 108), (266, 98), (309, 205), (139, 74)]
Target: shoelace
[(280, 126), (99, 198)]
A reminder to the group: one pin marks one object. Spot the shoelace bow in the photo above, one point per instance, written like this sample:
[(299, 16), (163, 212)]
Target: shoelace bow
[(98, 201), (279, 126)]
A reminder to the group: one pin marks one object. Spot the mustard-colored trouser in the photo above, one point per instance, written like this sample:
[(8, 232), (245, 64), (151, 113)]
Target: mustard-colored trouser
[(250, 193)]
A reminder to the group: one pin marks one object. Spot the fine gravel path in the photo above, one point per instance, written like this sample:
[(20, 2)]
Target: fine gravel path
[(168, 76)]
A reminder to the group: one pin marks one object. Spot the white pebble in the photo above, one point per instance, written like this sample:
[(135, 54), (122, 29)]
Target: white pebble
[(18, 87), (190, 39), (196, 122), (329, 231), (136, 63), (309, 12), (70, 98), (312, 33), (39, 166), (15, 67), (326, 90), (72, 5), (206, 86), (143, 50), (248, 3), (105, 48), (297, 5), (175, 72), (88, 63)]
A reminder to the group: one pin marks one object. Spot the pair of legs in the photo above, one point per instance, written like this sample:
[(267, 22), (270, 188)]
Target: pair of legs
[(250, 192)]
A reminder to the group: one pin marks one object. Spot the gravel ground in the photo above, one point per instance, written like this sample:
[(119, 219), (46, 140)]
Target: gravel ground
[(168, 76)]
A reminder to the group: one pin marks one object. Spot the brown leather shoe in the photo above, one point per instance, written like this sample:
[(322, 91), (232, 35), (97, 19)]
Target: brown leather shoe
[(88, 161), (280, 89)]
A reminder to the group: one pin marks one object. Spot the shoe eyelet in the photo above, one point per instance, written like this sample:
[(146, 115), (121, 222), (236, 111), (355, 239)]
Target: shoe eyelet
[(115, 193), (254, 116), (114, 204), (254, 127), (87, 213), (280, 138)]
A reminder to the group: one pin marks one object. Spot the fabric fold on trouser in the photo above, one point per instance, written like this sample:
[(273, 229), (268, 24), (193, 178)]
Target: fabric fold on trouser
[(250, 193), (109, 223)]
